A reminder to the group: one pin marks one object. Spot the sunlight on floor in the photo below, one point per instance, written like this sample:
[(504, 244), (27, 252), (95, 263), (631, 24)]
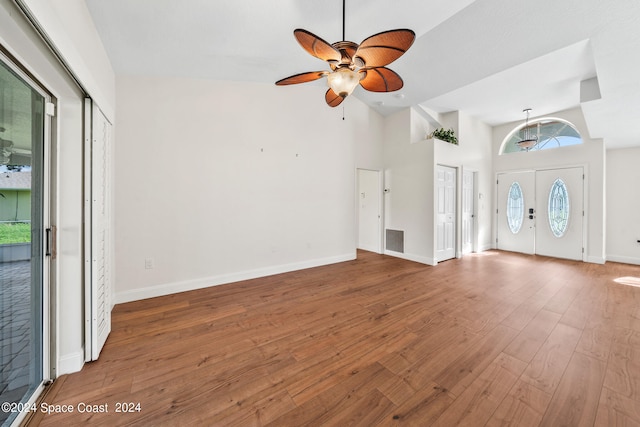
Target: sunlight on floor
[(483, 253), (630, 281)]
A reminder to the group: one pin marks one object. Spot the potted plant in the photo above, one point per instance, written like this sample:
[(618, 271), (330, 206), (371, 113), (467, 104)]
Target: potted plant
[(444, 135)]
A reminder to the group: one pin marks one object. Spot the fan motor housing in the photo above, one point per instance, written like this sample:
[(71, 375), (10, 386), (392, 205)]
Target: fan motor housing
[(348, 50)]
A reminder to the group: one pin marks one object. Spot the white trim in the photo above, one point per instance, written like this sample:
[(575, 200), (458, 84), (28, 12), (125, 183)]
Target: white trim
[(205, 282), (381, 199), (70, 363), (410, 257), (486, 247), (585, 205), (457, 239), (22, 415), (87, 145), (619, 258), (534, 121)]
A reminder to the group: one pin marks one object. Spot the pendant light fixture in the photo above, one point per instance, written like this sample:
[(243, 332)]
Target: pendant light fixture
[(529, 137)]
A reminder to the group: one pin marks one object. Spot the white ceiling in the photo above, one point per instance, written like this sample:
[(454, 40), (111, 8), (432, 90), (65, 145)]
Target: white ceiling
[(489, 58)]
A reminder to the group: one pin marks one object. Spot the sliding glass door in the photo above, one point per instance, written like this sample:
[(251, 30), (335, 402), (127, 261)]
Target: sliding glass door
[(23, 215)]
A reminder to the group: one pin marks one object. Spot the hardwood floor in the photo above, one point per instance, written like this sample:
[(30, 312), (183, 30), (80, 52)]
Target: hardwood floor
[(491, 339)]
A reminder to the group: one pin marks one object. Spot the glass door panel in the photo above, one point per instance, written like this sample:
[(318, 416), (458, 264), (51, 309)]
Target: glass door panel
[(560, 213), (22, 136), (516, 221)]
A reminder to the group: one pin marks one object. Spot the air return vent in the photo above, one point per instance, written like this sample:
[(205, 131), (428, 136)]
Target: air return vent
[(395, 240)]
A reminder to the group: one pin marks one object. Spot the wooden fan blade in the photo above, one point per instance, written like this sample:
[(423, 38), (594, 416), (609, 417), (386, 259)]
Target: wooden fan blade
[(380, 79), (383, 48), (302, 78), (317, 47), (332, 98)]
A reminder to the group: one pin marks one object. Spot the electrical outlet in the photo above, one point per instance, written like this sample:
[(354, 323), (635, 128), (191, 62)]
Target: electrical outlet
[(149, 263)]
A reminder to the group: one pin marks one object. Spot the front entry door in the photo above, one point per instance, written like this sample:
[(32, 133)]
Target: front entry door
[(559, 194), (516, 199), (541, 212)]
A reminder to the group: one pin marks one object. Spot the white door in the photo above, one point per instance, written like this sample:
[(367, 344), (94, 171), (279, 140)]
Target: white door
[(468, 216), (541, 212), (516, 215), (445, 213), (98, 241), (369, 210), (559, 212)]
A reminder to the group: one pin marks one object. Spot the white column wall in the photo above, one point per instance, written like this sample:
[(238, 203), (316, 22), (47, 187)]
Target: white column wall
[(409, 177), (410, 163), (472, 153), (623, 205)]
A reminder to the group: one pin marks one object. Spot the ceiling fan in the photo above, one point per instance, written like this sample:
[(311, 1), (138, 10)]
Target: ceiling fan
[(352, 64)]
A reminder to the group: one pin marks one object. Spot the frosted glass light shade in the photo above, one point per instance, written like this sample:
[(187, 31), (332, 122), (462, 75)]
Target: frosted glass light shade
[(343, 81)]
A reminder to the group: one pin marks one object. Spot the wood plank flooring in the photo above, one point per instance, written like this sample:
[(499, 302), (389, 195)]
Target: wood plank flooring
[(492, 339)]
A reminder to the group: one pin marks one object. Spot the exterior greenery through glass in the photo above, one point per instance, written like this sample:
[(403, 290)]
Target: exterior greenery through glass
[(551, 134), (558, 208), (515, 208)]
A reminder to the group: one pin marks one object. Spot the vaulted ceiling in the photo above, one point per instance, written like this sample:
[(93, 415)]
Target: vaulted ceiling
[(489, 58)]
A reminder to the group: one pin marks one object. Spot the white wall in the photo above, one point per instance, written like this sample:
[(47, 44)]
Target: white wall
[(623, 205), (221, 181), (590, 154), (18, 37), (68, 24), (472, 153), (368, 139), (410, 163), (410, 180)]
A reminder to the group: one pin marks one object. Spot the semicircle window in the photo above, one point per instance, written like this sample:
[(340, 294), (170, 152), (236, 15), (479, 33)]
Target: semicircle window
[(550, 133)]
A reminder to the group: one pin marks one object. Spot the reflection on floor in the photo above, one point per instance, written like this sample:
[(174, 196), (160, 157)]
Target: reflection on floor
[(15, 330)]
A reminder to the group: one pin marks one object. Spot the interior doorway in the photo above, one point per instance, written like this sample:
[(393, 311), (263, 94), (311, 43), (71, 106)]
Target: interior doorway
[(369, 210)]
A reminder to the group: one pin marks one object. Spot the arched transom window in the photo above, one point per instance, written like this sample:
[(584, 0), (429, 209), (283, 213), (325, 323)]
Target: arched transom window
[(550, 133)]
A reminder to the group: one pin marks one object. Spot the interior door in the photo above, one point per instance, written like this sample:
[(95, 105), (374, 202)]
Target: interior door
[(516, 222), (560, 211), (369, 211), (468, 207), (445, 213)]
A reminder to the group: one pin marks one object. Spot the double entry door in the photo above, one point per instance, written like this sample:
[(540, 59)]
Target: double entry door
[(541, 212)]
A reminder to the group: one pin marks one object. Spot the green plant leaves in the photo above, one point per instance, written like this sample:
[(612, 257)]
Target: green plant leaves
[(445, 135)]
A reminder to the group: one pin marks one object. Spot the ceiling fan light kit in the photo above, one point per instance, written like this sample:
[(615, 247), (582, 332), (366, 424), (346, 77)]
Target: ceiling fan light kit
[(343, 81), (352, 64)]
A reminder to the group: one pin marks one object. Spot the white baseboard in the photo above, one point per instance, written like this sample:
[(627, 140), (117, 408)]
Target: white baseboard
[(595, 259), (70, 363), (486, 247), (410, 257), (205, 282), (623, 259)]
